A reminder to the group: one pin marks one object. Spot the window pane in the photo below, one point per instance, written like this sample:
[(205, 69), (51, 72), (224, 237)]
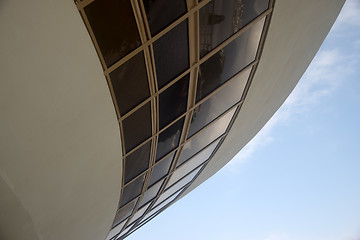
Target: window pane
[(218, 103), (139, 213), (124, 212), (137, 127), (177, 186), (132, 190), (114, 27), (229, 60), (169, 139), (173, 101), (130, 83), (151, 193), (171, 53), (161, 169), (206, 136), (161, 13), (199, 157), (137, 162), (115, 230), (157, 208), (220, 19)]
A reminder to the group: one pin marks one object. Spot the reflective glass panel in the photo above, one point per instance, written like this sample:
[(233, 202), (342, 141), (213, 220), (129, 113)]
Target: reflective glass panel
[(171, 53), (132, 190), (161, 13), (213, 131), (126, 230), (218, 103), (161, 169), (173, 101), (130, 83), (198, 158), (139, 213), (229, 60), (157, 208), (124, 212), (169, 139), (220, 19), (137, 162), (114, 27), (150, 193), (137, 127), (174, 188), (181, 172), (115, 230)]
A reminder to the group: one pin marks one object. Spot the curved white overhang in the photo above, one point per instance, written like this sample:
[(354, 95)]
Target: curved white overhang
[(296, 32), (60, 158)]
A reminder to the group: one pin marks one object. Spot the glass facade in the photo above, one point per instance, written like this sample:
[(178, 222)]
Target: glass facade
[(175, 97)]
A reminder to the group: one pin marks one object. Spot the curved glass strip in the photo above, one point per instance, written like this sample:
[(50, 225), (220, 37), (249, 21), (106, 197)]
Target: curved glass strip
[(219, 19), (137, 162), (151, 193), (132, 190), (228, 61), (124, 212), (161, 169), (218, 103), (139, 213)]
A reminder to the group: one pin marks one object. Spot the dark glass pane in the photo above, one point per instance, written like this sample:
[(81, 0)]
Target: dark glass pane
[(137, 127), (169, 139), (229, 60), (219, 19), (137, 162), (132, 190), (206, 136), (124, 212), (173, 101), (218, 103), (151, 193), (199, 158), (130, 83), (114, 27), (161, 169), (171, 53), (161, 13)]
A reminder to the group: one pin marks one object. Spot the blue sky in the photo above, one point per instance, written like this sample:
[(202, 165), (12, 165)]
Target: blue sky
[(299, 178)]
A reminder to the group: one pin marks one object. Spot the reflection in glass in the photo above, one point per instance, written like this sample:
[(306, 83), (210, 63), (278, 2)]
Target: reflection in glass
[(213, 131), (161, 169), (137, 127), (157, 208), (169, 139), (199, 158), (228, 61), (115, 230), (171, 53), (219, 19), (114, 27), (174, 188), (124, 212), (137, 162), (139, 213), (173, 101), (130, 83), (150, 193), (218, 103), (161, 13), (132, 190)]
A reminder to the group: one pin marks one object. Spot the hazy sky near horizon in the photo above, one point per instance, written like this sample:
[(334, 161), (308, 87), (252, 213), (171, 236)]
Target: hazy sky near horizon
[(299, 178)]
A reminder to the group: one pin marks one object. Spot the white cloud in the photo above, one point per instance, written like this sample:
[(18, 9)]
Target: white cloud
[(350, 15)]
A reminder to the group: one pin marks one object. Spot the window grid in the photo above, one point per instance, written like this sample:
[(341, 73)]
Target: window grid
[(193, 30)]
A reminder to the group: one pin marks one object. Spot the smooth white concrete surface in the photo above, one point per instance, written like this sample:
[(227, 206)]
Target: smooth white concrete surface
[(296, 32), (60, 156)]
